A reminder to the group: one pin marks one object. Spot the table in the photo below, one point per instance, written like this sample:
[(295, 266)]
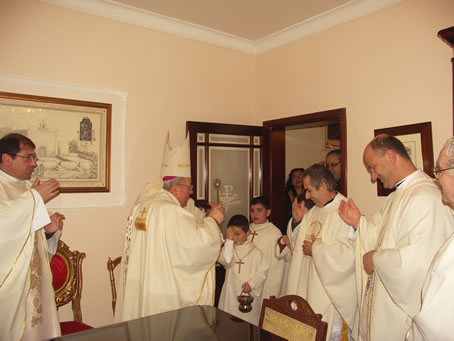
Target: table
[(198, 323)]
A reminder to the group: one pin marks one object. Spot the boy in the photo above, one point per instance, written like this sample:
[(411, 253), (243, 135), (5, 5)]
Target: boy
[(246, 270), (265, 235)]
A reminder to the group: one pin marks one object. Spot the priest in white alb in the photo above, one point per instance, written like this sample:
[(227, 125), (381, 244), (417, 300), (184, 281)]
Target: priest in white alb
[(170, 251), (322, 267), (434, 320), (29, 238), (395, 247)]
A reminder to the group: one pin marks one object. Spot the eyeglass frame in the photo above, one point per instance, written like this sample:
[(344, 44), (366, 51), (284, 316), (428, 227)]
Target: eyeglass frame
[(28, 158), (332, 164), (191, 187), (437, 171)]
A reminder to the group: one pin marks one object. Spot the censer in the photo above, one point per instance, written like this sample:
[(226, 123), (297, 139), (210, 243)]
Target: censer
[(245, 300)]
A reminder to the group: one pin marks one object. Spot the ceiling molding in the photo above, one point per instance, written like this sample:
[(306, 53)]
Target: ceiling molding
[(113, 10)]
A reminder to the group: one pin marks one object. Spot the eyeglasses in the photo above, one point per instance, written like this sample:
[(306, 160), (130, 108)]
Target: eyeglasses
[(28, 158), (188, 186), (332, 165), (297, 176), (437, 171)]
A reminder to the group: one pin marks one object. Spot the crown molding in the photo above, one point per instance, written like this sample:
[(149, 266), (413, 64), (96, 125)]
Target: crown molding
[(116, 11)]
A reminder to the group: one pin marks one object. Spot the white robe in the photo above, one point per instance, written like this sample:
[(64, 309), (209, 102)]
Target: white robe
[(265, 239), (286, 254), (434, 321), (27, 297), (169, 258), (327, 279), (254, 270), (406, 233)]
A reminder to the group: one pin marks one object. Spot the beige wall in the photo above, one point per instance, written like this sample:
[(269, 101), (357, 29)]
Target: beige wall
[(387, 69), (168, 80), (304, 147)]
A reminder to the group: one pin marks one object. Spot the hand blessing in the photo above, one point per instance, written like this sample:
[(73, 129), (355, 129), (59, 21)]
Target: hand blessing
[(47, 190), (349, 213)]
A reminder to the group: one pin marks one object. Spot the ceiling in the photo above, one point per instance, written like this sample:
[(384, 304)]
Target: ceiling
[(248, 19), (250, 26)]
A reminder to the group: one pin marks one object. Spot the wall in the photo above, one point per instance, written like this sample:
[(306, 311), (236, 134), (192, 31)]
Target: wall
[(168, 80), (304, 147), (387, 69)]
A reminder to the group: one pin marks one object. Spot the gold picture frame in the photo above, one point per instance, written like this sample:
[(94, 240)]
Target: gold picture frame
[(72, 138)]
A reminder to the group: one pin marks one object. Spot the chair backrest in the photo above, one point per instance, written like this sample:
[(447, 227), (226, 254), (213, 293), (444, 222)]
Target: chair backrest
[(111, 265), (291, 318), (66, 266)]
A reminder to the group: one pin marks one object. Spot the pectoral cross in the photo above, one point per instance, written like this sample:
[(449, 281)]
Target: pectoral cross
[(239, 265), (143, 212), (253, 235)]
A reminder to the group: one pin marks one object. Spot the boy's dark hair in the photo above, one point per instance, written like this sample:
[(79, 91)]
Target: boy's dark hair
[(261, 201), (240, 221), (308, 203)]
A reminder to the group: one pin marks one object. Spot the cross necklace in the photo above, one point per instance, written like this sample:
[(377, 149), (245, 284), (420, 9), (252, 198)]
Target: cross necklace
[(240, 260), (253, 235)]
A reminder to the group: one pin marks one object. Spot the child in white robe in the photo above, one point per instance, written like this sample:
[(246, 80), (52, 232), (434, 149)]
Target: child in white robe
[(264, 234), (246, 270)]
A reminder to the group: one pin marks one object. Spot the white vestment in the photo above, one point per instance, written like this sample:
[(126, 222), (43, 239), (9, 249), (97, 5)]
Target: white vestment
[(169, 258), (265, 239), (406, 233), (286, 254), (27, 297), (253, 270), (434, 321), (327, 279)]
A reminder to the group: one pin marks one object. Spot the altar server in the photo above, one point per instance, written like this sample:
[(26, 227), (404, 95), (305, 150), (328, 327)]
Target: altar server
[(246, 269)]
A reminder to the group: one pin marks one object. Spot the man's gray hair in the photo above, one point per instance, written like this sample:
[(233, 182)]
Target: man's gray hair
[(449, 152), (167, 185)]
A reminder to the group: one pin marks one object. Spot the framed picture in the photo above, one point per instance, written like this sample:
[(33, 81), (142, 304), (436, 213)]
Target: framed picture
[(72, 138), (417, 139)]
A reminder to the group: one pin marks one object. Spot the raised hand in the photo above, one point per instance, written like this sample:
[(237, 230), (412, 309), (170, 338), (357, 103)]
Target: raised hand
[(216, 212), (349, 213), (47, 190)]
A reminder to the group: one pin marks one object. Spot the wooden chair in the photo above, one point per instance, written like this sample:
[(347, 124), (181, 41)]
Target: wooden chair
[(291, 318), (111, 265), (66, 267)]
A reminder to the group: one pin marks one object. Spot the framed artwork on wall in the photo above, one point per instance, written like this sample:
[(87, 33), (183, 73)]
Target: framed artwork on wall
[(417, 139), (72, 138)]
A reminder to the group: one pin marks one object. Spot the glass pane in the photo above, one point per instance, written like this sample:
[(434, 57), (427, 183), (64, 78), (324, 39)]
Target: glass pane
[(232, 166), (200, 137), (256, 140), (230, 139), (257, 178), (201, 173)]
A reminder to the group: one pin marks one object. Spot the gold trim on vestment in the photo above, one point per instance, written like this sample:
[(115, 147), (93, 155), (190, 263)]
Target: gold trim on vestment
[(25, 243), (206, 275)]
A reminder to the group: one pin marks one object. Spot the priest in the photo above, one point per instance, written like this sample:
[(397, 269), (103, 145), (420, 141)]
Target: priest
[(434, 321), (29, 238), (395, 247), (322, 269), (170, 249)]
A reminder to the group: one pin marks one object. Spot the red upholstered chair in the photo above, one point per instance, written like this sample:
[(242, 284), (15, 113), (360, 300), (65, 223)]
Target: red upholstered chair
[(66, 266)]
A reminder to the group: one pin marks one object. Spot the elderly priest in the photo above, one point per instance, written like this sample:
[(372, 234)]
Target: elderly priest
[(170, 248)]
